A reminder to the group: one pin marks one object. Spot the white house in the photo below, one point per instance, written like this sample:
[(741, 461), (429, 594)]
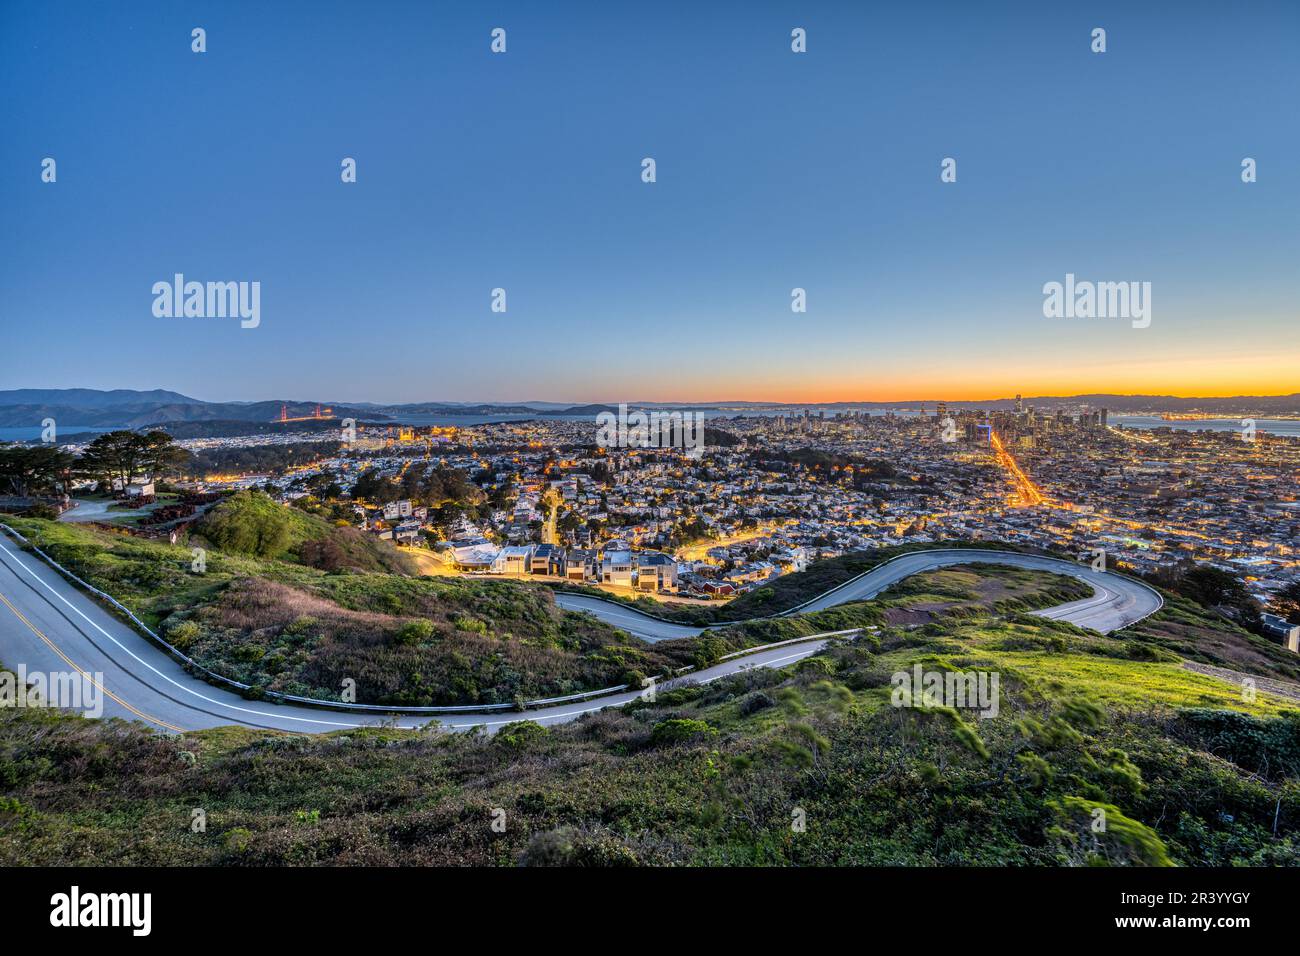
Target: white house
[(616, 568), (514, 559)]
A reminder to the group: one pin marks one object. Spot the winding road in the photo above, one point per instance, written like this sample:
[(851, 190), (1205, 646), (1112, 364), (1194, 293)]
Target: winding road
[(49, 626), (1117, 601)]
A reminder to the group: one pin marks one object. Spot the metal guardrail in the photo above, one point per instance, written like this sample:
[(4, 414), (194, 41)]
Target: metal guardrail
[(560, 588), (199, 670), (857, 577), (1027, 554), (794, 640)]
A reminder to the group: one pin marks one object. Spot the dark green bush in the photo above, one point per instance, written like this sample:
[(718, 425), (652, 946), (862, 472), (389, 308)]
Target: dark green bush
[(755, 702), (678, 730)]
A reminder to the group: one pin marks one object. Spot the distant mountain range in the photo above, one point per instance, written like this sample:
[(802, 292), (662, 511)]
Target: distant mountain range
[(122, 408), (126, 408), (92, 397)]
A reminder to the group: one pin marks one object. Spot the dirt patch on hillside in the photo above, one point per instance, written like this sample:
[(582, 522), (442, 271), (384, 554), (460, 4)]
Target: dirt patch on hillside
[(897, 616), (1267, 684)]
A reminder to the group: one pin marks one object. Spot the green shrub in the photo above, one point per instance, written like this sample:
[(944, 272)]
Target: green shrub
[(755, 702), (520, 734), (181, 636), (236, 840), (708, 649), (567, 846), (1267, 746), (1097, 834), (1083, 713), (816, 665), (248, 523), (472, 624), (301, 625), (678, 730), (414, 632), (633, 678), (1149, 652)]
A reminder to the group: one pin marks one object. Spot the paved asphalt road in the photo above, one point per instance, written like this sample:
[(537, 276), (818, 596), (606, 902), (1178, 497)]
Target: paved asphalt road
[(95, 511), (49, 626), (1117, 602)]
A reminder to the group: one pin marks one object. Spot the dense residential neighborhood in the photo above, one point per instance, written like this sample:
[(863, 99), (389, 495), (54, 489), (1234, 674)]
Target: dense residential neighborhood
[(773, 493)]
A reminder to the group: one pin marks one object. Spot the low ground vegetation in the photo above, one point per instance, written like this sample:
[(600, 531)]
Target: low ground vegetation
[(808, 765)]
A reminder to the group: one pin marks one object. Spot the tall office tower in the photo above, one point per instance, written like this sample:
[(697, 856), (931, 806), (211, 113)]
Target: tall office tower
[(1020, 405), (1105, 416), (941, 410)]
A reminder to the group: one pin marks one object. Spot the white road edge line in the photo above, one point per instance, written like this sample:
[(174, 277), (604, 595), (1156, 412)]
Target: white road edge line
[(35, 577)]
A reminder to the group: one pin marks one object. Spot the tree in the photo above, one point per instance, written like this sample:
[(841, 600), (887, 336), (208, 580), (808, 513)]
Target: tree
[(123, 455), (1287, 602), (113, 456), (503, 496), (160, 455), (1212, 588), (445, 517), (25, 470), (373, 487), (571, 522)]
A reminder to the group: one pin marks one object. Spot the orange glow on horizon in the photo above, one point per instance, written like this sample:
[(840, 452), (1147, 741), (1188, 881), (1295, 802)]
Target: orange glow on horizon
[(1274, 377), (953, 393), (974, 371)]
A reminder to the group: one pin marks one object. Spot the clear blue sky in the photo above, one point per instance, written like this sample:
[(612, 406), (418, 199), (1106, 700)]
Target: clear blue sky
[(775, 170)]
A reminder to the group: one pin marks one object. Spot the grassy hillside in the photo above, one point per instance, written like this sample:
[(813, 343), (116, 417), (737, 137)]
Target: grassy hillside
[(280, 625), (250, 523), (1195, 633), (1184, 769)]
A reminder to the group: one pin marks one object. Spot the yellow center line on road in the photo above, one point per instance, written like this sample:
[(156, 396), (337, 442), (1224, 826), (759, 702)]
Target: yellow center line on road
[(86, 675)]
